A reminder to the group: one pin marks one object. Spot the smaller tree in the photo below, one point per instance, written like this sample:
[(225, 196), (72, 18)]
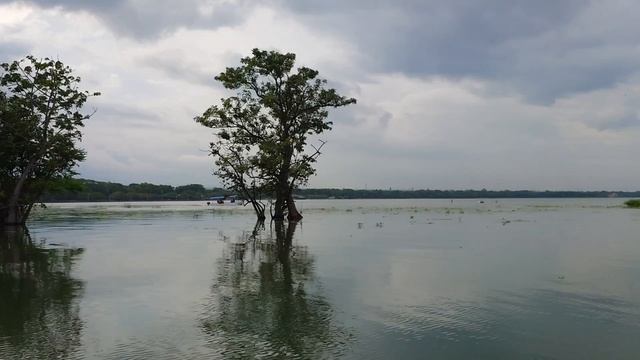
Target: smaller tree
[(40, 121), (236, 165)]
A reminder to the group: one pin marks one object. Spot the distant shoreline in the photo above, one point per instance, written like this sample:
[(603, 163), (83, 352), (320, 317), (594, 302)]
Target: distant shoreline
[(99, 191), (380, 198)]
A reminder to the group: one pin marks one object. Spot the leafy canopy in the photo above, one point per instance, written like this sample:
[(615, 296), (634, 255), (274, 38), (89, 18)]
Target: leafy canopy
[(41, 118), (263, 130)]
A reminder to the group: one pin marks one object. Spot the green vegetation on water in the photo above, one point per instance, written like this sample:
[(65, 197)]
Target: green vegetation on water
[(635, 203)]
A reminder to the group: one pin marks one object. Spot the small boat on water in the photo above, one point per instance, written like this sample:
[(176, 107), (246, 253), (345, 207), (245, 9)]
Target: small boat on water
[(224, 199)]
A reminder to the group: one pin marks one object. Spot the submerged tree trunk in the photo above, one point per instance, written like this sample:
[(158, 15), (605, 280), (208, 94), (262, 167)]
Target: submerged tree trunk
[(282, 187), (259, 209), (286, 205), (292, 212), (13, 216), (281, 203), (13, 241)]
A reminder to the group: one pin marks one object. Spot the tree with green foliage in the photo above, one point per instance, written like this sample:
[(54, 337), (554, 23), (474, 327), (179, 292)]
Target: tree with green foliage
[(40, 121), (261, 144)]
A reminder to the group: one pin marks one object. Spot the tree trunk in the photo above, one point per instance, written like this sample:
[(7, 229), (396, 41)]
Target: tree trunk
[(259, 209), (282, 187), (281, 204), (292, 212), (15, 213), (13, 242), (14, 216)]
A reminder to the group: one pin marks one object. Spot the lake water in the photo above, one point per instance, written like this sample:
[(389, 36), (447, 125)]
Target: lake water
[(368, 279)]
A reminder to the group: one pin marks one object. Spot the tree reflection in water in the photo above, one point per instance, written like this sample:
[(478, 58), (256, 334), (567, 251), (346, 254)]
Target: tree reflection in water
[(265, 301), (39, 311)]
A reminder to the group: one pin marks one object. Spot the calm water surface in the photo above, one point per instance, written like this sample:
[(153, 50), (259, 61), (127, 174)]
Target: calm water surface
[(370, 279)]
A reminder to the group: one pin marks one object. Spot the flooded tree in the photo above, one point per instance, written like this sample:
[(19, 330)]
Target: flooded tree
[(39, 301), (266, 302), (261, 144), (40, 121), (238, 170)]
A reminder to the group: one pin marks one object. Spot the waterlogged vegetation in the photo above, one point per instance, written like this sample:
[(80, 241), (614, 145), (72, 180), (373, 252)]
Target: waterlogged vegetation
[(261, 140), (633, 204), (263, 134), (41, 113)]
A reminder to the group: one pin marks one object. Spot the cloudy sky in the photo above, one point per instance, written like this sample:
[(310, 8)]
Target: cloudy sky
[(489, 94)]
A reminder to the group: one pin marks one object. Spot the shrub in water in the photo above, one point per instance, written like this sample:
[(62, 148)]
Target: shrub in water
[(633, 203)]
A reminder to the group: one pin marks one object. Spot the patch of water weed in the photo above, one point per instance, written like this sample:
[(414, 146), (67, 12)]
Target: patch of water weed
[(508, 221), (634, 203)]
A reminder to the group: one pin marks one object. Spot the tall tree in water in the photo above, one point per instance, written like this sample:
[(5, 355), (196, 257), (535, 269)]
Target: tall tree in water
[(40, 121), (261, 144)]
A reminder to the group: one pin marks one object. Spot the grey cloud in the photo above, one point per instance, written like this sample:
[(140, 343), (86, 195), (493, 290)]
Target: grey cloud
[(125, 116), (146, 19), (440, 37), (542, 49), (620, 124), (174, 65)]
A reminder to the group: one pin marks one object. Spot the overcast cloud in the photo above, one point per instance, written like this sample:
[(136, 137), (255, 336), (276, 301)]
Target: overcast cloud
[(451, 94)]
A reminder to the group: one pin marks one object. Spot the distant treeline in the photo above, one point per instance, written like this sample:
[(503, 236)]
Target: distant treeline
[(90, 190), (455, 194)]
